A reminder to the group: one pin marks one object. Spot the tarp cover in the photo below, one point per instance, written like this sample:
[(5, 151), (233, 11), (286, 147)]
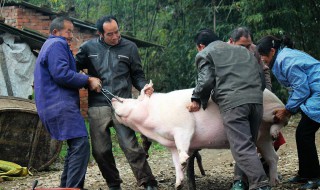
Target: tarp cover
[(17, 65)]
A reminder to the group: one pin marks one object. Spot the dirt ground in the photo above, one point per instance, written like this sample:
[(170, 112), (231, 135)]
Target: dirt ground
[(218, 165)]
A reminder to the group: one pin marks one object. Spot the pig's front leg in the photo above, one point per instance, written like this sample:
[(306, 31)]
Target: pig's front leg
[(267, 151), (178, 168), (182, 138)]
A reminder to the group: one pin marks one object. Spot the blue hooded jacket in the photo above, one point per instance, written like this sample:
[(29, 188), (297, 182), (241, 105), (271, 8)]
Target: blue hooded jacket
[(56, 85), (300, 73)]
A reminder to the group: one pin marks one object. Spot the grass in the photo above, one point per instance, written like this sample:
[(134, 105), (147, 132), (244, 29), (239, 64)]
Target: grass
[(155, 147)]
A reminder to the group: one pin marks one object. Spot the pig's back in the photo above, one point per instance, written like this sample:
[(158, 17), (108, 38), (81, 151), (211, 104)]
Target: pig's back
[(171, 108)]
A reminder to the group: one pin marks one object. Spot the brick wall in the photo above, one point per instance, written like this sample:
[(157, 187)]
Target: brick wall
[(22, 17)]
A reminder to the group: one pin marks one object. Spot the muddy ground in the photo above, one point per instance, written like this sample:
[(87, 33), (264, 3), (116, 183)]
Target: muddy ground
[(218, 165)]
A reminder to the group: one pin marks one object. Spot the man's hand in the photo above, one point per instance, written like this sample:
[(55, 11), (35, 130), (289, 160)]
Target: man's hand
[(280, 115), (193, 106), (94, 84), (148, 89)]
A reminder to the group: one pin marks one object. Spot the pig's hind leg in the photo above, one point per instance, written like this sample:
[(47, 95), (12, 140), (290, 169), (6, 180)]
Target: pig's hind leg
[(267, 151)]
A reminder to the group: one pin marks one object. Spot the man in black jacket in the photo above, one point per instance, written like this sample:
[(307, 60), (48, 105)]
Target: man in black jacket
[(116, 62), (231, 76)]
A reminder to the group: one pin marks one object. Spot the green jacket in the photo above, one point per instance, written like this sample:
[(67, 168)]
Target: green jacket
[(230, 74)]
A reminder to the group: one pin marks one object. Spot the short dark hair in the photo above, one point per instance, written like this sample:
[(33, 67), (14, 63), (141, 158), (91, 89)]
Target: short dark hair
[(102, 20), (58, 23), (205, 36), (239, 32)]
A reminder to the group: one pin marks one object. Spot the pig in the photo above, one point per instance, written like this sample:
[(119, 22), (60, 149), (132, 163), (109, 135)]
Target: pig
[(163, 117)]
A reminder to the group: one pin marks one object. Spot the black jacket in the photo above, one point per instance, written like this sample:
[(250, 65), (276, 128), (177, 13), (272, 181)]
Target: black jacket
[(118, 67)]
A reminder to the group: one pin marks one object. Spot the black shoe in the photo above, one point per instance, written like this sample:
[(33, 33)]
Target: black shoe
[(297, 179), (150, 187), (115, 188), (310, 185), (239, 185)]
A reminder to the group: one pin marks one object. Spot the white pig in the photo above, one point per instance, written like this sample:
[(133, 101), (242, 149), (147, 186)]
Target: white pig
[(164, 118)]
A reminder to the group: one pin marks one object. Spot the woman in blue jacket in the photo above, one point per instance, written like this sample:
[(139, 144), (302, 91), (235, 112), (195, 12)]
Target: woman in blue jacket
[(300, 73)]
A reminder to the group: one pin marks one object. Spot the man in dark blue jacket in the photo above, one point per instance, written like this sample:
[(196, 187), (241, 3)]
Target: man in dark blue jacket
[(56, 85)]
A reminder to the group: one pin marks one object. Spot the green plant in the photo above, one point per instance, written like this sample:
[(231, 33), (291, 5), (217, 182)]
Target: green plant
[(155, 147)]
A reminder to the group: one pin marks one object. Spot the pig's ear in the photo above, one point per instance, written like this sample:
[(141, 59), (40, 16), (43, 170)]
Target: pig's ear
[(142, 93), (150, 83)]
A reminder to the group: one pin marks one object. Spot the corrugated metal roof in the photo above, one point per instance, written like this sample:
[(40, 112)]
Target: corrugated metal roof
[(34, 40)]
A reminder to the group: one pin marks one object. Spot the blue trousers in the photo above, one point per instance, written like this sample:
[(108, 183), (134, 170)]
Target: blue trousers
[(76, 162)]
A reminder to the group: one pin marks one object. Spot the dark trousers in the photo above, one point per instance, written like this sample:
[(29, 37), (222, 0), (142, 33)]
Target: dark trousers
[(100, 119), (242, 126), (306, 146), (76, 162)]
